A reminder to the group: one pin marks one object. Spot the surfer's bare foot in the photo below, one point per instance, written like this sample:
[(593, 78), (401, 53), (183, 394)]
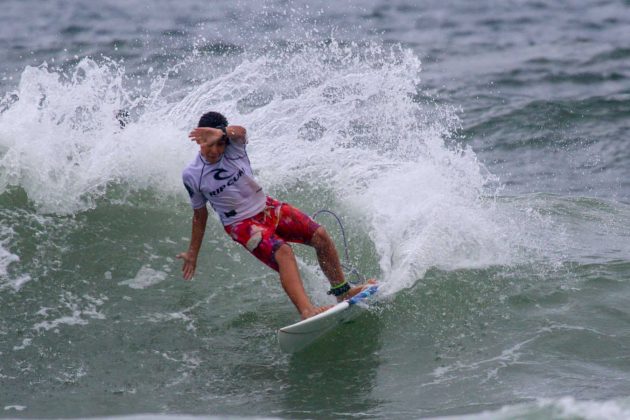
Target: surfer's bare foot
[(356, 289), (314, 310)]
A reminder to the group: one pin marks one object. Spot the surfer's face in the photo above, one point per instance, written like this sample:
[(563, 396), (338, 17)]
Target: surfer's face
[(213, 150)]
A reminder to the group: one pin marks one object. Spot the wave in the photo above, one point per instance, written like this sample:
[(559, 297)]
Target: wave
[(348, 119)]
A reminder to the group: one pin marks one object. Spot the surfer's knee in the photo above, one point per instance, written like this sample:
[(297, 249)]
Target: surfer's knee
[(283, 252)]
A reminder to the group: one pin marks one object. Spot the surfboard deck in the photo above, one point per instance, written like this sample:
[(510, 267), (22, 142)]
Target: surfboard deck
[(300, 335)]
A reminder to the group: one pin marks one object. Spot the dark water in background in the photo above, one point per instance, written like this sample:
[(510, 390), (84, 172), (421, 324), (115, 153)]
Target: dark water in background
[(477, 153)]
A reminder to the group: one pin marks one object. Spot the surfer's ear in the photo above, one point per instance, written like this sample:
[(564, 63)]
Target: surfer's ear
[(226, 138)]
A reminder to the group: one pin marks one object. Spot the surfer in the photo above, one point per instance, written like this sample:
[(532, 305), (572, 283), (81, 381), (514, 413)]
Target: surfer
[(222, 175)]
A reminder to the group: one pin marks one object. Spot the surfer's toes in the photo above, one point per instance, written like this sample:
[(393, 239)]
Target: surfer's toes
[(314, 311)]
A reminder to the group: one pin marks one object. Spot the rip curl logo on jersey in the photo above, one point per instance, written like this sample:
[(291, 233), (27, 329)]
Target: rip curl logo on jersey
[(234, 178), (218, 174)]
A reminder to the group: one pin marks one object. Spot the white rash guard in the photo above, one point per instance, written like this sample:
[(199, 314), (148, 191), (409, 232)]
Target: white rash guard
[(228, 185)]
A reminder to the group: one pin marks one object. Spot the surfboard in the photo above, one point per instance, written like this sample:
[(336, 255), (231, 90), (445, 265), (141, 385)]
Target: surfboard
[(300, 335)]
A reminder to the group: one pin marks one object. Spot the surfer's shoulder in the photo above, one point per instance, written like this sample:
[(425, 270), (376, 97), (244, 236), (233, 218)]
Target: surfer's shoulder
[(191, 169)]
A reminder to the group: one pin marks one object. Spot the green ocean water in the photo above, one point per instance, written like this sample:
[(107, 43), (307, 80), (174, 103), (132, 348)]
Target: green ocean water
[(476, 154)]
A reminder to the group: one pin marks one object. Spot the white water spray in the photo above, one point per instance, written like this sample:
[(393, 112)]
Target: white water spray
[(342, 117)]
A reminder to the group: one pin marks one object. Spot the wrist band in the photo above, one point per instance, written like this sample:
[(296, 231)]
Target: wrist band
[(224, 130), (339, 289)]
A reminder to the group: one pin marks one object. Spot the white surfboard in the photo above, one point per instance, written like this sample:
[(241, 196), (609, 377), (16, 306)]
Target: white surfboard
[(297, 336)]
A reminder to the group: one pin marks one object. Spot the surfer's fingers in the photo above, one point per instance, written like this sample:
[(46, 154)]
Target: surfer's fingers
[(205, 134), (189, 271), (196, 135), (188, 267), (200, 132)]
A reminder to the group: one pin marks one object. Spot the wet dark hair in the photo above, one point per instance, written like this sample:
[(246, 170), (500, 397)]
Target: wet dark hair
[(213, 119)]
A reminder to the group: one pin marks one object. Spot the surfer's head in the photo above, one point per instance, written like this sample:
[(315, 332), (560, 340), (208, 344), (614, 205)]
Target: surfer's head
[(213, 119), (214, 149)]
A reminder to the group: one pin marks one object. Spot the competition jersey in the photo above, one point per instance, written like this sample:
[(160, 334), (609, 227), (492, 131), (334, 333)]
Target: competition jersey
[(228, 185)]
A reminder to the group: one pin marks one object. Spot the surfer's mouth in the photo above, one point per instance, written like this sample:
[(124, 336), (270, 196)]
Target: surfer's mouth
[(212, 157)]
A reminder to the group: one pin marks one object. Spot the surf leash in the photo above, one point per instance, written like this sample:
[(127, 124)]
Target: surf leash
[(345, 265), (363, 294)]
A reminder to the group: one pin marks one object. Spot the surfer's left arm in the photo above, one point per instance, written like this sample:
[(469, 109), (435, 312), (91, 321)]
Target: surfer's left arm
[(236, 133), (199, 220)]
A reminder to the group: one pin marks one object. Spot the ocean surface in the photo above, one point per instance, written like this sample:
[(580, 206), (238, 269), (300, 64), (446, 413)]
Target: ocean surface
[(477, 153)]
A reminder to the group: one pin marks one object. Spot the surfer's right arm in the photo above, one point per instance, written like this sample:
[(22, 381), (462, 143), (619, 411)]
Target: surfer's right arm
[(199, 220), (234, 133)]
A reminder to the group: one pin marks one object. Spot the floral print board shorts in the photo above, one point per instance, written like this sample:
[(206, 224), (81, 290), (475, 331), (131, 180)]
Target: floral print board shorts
[(267, 231)]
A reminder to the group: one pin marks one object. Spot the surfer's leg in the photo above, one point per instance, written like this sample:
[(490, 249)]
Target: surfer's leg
[(295, 226), (327, 256), (292, 283)]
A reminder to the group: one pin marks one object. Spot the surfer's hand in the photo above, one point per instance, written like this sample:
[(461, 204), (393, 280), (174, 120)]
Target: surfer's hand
[(205, 135), (190, 264)]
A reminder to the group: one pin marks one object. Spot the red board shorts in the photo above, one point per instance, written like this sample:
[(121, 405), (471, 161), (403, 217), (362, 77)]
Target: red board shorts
[(267, 231)]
